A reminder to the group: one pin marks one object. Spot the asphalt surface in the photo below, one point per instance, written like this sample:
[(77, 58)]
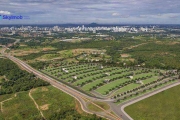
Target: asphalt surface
[(79, 96), (83, 98), (120, 108)]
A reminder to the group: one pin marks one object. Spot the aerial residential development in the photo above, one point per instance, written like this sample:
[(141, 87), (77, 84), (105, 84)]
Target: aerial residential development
[(104, 65)]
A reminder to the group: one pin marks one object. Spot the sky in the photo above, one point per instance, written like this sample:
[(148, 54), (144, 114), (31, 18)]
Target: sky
[(88, 11)]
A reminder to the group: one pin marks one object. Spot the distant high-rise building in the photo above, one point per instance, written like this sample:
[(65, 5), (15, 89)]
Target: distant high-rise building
[(94, 31), (13, 32)]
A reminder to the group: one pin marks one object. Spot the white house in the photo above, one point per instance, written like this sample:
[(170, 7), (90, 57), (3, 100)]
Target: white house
[(108, 74), (131, 77), (64, 69), (75, 77), (140, 82)]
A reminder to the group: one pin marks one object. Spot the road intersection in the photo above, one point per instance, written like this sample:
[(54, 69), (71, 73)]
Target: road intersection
[(118, 110)]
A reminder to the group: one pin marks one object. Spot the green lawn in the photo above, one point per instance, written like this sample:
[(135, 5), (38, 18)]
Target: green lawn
[(150, 79), (90, 85), (86, 79), (162, 106), (96, 109), (105, 87), (143, 75), (86, 72), (126, 88)]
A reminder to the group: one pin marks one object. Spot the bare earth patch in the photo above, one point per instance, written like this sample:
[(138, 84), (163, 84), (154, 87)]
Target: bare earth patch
[(22, 53), (78, 107), (125, 55), (132, 59), (167, 43), (173, 43), (44, 107), (44, 89), (78, 51), (47, 49)]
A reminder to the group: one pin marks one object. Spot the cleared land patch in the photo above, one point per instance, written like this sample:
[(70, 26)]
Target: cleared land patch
[(115, 82), (19, 108), (52, 100)]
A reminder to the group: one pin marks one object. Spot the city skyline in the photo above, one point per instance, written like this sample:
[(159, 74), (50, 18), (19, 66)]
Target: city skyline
[(101, 12)]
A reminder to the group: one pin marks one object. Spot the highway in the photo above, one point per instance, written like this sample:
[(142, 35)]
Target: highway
[(82, 98)]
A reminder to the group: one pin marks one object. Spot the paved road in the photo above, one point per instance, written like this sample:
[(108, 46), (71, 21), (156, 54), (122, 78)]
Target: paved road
[(76, 94), (118, 110)]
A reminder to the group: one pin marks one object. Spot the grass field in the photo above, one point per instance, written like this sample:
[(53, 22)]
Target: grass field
[(20, 107), (162, 106), (90, 75), (24, 50), (49, 100), (1, 79), (116, 82), (4, 97), (96, 109)]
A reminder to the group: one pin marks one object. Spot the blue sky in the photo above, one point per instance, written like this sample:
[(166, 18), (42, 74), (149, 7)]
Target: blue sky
[(88, 11)]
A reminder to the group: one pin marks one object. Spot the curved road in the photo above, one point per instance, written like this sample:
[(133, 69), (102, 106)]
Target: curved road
[(82, 98)]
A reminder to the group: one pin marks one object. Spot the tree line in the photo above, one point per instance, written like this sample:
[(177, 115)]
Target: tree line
[(5, 41), (15, 79)]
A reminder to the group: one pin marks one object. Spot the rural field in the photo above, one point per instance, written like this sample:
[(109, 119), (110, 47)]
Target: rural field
[(49, 100), (18, 107), (162, 106), (107, 81)]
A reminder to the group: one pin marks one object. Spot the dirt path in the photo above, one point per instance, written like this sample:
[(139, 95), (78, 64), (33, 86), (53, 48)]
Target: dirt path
[(6, 101), (36, 104), (134, 46)]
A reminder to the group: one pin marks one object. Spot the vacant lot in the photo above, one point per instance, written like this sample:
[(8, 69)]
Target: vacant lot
[(21, 107), (106, 81), (24, 50), (51, 100), (163, 106)]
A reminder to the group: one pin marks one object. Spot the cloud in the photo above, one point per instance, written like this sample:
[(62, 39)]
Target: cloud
[(115, 14), (5, 12), (164, 15), (105, 11), (143, 16), (124, 16), (120, 15)]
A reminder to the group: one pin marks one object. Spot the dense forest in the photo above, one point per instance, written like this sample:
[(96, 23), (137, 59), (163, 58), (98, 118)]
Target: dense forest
[(15, 79), (112, 47), (5, 41), (159, 55)]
